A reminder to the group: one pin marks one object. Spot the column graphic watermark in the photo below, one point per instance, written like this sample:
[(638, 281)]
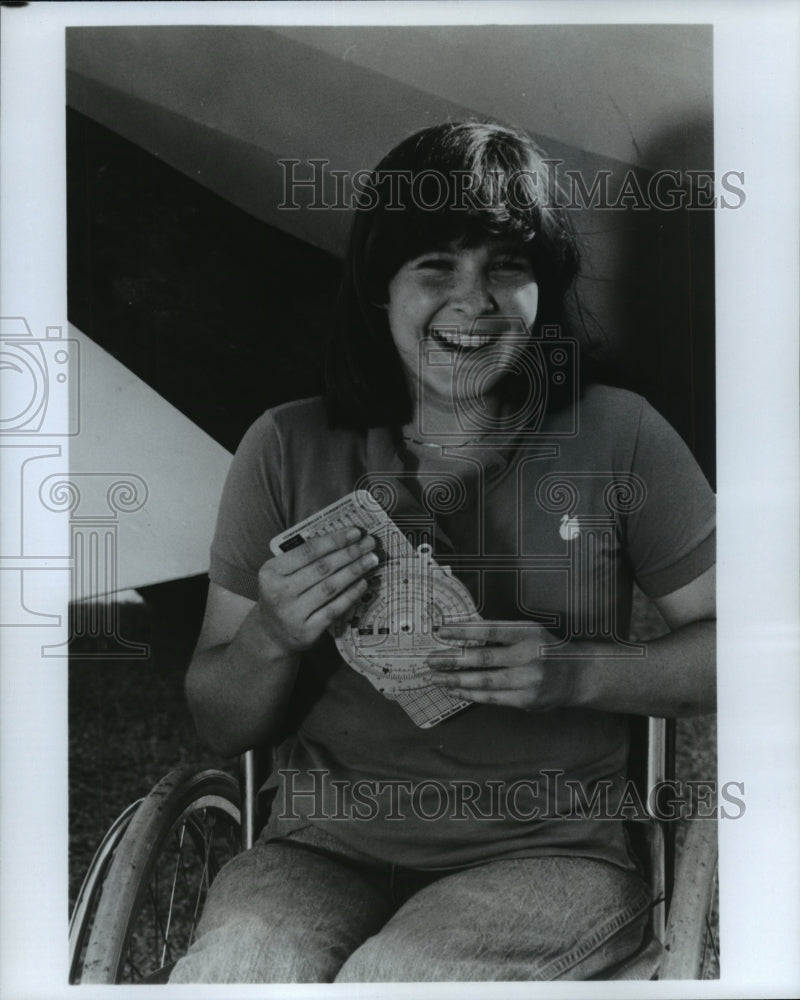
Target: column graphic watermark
[(40, 407), (94, 502)]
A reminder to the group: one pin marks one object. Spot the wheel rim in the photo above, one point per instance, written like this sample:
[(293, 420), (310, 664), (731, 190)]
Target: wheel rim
[(86, 900), (197, 845)]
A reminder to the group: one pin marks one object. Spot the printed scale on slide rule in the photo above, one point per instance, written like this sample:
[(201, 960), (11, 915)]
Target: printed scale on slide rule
[(393, 629)]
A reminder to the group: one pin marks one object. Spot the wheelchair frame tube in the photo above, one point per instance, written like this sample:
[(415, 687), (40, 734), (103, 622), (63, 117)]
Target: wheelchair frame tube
[(247, 782)]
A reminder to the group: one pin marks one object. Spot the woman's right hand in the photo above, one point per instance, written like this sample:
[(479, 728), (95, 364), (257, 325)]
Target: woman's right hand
[(304, 591)]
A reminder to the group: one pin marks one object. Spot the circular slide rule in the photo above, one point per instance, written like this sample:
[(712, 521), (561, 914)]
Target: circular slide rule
[(394, 628)]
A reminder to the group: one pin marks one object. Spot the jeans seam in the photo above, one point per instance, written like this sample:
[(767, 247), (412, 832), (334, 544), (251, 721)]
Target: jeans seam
[(566, 962)]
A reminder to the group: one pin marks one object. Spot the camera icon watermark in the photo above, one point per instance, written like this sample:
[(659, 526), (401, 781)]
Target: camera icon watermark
[(539, 372), (39, 384), (54, 522)]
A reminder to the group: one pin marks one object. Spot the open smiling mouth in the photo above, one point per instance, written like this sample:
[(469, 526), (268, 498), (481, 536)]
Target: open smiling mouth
[(489, 332), (451, 337)]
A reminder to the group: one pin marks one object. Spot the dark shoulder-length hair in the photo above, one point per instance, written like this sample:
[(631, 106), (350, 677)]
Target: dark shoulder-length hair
[(452, 184)]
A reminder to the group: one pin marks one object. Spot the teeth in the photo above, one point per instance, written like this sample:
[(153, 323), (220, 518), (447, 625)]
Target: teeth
[(462, 339)]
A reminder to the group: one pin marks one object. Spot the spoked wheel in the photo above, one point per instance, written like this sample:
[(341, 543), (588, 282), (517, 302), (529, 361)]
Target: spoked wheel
[(692, 938), (89, 895), (186, 829)]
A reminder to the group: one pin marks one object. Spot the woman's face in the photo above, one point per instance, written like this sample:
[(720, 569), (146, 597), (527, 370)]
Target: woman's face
[(477, 303)]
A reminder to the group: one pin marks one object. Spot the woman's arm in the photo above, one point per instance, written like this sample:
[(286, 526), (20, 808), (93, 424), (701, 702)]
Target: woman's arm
[(246, 661), (675, 677), (237, 683)]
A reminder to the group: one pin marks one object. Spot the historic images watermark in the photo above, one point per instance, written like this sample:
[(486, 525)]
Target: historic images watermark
[(312, 184), (550, 796)]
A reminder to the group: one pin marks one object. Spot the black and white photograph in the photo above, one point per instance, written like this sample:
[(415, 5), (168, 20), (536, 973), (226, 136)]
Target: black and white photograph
[(363, 464)]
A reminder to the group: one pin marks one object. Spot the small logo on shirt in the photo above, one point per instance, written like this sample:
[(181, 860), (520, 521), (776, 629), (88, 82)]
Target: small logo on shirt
[(570, 528)]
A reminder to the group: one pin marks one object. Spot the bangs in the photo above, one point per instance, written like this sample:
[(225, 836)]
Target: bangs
[(460, 185), (400, 238)]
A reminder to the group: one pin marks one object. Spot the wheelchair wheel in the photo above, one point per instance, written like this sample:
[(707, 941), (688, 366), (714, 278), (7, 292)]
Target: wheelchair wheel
[(157, 881), (86, 903), (691, 946)]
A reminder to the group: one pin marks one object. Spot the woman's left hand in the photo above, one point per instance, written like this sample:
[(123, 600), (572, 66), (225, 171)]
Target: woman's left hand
[(513, 670)]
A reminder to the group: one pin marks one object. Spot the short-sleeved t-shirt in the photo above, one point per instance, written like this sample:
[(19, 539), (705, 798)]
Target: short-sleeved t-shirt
[(554, 529)]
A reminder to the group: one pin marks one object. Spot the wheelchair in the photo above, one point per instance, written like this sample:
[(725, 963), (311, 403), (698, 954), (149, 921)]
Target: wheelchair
[(141, 899)]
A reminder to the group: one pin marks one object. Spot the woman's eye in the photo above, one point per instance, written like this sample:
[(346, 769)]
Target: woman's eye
[(512, 265), (435, 264)]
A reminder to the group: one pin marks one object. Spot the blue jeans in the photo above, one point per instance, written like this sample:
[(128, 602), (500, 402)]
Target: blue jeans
[(304, 908)]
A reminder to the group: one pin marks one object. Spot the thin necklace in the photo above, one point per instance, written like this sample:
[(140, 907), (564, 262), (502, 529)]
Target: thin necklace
[(435, 444)]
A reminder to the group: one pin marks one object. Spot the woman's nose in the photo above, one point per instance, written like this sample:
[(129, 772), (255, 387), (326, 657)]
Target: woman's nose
[(472, 295)]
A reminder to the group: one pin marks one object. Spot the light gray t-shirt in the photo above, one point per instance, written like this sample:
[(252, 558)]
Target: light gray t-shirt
[(555, 529)]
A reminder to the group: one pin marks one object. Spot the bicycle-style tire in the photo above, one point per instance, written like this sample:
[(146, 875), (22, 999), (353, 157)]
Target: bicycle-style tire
[(156, 883)]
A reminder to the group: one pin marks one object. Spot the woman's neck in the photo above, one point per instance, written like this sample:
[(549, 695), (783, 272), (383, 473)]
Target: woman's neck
[(439, 424)]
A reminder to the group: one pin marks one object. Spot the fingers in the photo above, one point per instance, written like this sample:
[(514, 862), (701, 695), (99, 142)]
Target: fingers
[(503, 633), (325, 566), (478, 658), (507, 699), (325, 579), (338, 608), (515, 687), (490, 657), (532, 685), (303, 591), (321, 548), (501, 687), (329, 585), (501, 679), (510, 699)]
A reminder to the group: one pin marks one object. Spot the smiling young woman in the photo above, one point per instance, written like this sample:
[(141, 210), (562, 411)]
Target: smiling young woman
[(444, 363)]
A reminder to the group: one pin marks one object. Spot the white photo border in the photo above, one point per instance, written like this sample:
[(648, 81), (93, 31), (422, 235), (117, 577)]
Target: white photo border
[(757, 131)]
